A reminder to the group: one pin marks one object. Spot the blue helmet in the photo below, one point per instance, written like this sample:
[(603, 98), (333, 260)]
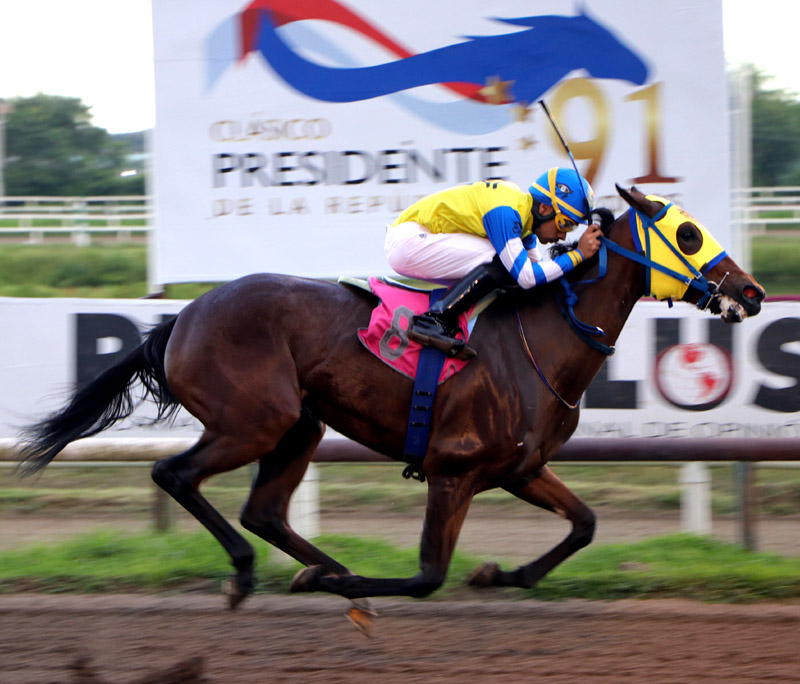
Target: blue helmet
[(567, 192)]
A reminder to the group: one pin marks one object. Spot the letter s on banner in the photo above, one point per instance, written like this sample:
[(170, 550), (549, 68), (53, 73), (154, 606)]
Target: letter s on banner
[(781, 362)]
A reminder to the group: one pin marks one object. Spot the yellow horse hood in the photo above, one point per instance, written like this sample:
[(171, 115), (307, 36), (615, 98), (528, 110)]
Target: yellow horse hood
[(659, 242)]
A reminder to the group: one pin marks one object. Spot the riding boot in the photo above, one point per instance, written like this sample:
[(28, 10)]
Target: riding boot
[(438, 327)]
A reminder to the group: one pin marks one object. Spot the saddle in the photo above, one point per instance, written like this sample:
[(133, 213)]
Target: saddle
[(386, 336)]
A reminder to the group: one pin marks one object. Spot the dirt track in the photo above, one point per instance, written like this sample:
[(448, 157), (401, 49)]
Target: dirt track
[(306, 639), (482, 638)]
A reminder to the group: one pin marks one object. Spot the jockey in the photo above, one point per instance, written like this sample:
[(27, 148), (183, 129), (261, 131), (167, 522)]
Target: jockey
[(455, 237)]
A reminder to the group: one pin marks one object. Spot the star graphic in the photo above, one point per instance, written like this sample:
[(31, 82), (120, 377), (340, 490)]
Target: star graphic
[(496, 91), (520, 112)]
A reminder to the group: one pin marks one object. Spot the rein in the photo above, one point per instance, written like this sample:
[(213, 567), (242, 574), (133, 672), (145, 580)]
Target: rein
[(709, 289), (546, 382), (566, 307)]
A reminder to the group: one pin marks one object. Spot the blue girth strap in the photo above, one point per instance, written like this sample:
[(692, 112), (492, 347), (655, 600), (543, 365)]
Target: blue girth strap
[(419, 418)]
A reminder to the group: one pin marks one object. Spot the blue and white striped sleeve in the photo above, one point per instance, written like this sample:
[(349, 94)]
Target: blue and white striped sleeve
[(503, 228), (531, 245)]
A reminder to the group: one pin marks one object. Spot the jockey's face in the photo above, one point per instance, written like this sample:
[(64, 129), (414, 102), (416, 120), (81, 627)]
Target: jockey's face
[(548, 232)]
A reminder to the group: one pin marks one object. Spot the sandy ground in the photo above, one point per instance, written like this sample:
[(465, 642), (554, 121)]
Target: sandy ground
[(306, 639)]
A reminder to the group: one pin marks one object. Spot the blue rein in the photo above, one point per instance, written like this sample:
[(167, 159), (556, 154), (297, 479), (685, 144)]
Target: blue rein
[(587, 332)]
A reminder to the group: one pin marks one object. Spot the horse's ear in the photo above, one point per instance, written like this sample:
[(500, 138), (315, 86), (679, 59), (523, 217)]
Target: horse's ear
[(636, 199)]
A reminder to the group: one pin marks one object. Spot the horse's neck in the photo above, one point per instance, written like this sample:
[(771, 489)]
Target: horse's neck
[(606, 304)]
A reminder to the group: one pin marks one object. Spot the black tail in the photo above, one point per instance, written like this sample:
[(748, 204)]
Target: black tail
[(102, 402)]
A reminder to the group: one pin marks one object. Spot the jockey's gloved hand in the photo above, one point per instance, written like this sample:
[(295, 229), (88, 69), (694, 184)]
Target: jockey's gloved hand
[(590, 241)]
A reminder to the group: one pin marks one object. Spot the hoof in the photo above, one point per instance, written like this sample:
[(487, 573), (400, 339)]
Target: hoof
[(237, 589), (362, 616), (305, 579), (484, 575)]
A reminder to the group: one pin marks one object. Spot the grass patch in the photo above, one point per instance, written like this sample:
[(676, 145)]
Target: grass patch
[(66, 270), (109, 561), (674, 566), (105, 561), (682, 566)]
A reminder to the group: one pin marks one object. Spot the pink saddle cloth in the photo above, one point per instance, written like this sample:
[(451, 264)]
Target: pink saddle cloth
[(387, 338)]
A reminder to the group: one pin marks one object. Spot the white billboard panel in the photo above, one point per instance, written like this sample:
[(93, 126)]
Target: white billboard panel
[(677, 372), (290, 133)]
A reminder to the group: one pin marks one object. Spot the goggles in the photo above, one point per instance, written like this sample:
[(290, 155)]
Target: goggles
[(564, 224)]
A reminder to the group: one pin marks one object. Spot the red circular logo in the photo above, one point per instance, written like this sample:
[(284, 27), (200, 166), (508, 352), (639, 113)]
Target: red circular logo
[(694, 377)]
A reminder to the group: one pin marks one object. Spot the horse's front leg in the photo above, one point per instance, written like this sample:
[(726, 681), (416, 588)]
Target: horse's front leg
[(448, 502), (549, 492)]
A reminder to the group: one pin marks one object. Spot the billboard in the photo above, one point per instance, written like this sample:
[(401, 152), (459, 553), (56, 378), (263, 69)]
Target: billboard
[(290, 133), (677, 372)]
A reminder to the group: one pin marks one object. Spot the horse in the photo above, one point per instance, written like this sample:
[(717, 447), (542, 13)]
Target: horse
[(267, 361)]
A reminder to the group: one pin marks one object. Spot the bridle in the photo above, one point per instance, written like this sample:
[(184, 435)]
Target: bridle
[(696, 279), (709, 290)]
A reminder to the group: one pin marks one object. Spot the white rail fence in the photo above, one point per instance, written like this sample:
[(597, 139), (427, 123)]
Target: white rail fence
[(80, 217), (759, 208)]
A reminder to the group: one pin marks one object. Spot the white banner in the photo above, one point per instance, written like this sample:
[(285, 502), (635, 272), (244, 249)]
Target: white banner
[(289, 133), (677, 372)]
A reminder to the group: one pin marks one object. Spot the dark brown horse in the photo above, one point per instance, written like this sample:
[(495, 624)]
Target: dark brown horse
[(266, 361)]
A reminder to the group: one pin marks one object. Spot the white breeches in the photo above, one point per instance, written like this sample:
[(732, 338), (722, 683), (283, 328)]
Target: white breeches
[(413, 251)]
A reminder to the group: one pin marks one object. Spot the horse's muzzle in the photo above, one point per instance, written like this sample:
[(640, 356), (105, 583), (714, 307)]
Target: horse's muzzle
[(750, 295), (737, 298)]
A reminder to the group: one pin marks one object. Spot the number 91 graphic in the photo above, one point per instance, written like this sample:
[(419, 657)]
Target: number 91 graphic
[(594, 148)]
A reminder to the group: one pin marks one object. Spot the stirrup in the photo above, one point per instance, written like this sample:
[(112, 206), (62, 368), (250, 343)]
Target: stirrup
[(432, 332)]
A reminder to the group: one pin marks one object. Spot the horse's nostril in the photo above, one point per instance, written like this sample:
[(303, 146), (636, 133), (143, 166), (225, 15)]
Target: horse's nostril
[(751, 292)]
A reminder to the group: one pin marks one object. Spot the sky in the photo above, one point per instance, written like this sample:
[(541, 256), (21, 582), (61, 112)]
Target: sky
[(102, 52)]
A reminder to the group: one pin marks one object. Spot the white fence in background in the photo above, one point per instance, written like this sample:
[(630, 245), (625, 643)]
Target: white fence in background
[(79, 217), (758, 208)]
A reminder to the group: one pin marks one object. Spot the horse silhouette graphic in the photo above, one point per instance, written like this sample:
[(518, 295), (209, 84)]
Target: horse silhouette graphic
[(530, 61)]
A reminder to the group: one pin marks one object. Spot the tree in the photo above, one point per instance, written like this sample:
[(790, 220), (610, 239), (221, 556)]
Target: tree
[(52, 148), (775, 135)]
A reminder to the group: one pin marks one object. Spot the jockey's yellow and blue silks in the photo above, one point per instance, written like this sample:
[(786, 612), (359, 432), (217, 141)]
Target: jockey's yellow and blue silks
[(663, 285), (501, 212)]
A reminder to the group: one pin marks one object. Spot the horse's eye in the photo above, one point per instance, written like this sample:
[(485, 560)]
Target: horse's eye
[(690, 239)]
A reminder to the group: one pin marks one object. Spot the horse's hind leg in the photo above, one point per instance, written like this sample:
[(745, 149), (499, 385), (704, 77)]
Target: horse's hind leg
[(549, 492), (266, 511), (279, 474), (180, 476)]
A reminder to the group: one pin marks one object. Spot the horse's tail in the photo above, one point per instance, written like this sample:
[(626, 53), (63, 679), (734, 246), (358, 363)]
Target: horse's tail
[(102, 402)]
